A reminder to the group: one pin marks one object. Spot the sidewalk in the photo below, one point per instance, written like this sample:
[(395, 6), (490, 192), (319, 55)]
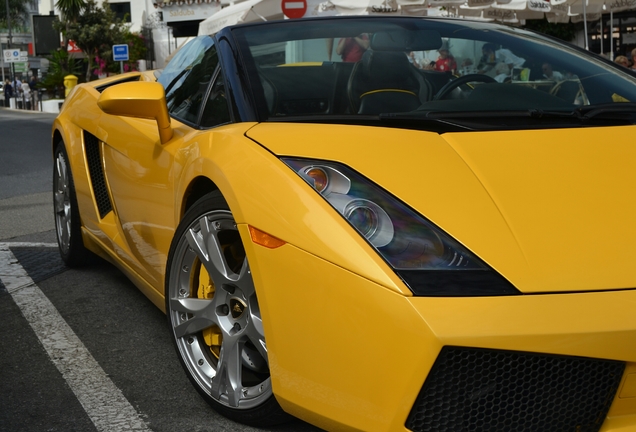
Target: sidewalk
[(46, 105), (18, 113)]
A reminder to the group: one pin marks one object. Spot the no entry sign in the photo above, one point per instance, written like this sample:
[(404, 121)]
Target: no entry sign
[(294, 8)]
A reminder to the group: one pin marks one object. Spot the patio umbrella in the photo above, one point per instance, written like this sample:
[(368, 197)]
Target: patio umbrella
[(510, 11), (591, 10), (246, 11)]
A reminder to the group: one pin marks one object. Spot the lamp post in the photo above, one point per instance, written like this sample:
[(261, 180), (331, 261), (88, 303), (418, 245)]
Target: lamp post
[(9, 37)]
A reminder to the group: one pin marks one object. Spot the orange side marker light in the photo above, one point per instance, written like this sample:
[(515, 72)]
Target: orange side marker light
[(264, 239)]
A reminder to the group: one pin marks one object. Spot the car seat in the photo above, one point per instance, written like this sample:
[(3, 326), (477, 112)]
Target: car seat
[(385, 81)]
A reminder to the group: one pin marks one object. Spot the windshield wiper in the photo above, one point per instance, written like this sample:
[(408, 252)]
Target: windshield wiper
[(601, 114), (445, 115), (481, 120), (589, 112), (542, 114), (599, 110)]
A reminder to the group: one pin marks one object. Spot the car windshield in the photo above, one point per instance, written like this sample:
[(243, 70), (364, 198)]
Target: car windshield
[(339, 69)]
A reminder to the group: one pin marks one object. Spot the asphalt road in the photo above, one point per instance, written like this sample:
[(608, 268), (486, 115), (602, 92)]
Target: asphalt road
[(80, 349)]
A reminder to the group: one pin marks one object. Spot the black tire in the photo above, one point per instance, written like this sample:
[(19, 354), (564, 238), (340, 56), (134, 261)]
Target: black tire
[(68, 226), (214, 316)]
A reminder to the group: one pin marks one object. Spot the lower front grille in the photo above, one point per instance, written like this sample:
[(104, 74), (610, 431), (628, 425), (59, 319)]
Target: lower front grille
[(475, 390)]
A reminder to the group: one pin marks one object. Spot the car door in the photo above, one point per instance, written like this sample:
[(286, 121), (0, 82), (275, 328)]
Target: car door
[(141, 171)]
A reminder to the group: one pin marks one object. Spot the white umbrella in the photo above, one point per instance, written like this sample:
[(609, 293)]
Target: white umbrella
[(540, 6), (363, 7), (351, 7), (591, 10), (582, 8), (246, 11), (510, 11)]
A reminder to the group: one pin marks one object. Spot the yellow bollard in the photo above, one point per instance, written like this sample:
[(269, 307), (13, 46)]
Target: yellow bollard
[(70, 81)]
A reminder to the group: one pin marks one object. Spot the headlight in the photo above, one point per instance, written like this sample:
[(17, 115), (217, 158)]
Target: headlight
[(418, 250)]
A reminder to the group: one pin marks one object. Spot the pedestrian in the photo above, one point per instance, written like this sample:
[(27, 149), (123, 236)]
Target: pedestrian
[(8, 93), (26, 96), (550, 74), (622, 60), (33, 86), (17, 91), (351, 49), (445, 62), (633, 64)]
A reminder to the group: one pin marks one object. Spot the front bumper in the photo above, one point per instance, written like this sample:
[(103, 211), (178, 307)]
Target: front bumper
[(348, 354), (475, 389)]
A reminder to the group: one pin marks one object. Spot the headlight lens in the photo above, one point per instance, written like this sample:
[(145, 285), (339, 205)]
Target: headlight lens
[(411, 244)]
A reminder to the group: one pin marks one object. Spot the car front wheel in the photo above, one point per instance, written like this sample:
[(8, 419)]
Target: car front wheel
[(215, 318)]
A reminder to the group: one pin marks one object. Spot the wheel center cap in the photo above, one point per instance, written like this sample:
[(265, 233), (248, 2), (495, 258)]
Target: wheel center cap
[(237, 307)]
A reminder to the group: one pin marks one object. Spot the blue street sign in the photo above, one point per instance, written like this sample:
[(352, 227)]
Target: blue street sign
[(120, 52)]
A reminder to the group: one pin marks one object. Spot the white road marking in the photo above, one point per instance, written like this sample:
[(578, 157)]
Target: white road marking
[(104, 403)]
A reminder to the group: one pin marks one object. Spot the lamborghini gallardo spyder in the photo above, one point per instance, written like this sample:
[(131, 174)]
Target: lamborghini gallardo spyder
[(376, 223)]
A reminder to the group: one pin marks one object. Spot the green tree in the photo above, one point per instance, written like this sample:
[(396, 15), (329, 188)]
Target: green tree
[(70, 10), (18, 13), (60, 65), (136, 51), (93, 29)]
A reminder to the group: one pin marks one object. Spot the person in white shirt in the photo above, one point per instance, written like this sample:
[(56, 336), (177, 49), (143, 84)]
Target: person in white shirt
[(550, 74), (502, 72), (26, 95), (506, 56), (491, 56)]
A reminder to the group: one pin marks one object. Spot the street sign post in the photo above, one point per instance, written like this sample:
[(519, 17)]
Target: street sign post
[(11, 55), (120, 54), (21, 67)]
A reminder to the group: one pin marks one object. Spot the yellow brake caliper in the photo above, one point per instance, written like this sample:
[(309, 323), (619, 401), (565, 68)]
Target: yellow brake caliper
[(211, 335)]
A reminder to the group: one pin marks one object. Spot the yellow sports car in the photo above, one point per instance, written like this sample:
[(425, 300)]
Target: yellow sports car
[(373, 223)]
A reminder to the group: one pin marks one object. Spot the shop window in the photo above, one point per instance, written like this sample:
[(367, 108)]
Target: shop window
[(122, 10)]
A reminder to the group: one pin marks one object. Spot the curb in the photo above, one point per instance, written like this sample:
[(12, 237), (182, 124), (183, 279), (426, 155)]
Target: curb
[(26, 111)]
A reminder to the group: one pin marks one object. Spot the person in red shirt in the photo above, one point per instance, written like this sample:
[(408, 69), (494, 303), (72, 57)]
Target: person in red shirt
[(446, 62), (351, 49)]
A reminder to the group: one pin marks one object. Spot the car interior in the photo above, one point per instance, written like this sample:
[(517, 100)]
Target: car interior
[(384, 80)]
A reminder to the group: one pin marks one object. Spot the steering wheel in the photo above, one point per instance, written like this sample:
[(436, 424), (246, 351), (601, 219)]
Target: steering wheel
[(452, 85)]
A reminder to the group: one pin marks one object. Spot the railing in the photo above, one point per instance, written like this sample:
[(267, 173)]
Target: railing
[(31, 101)]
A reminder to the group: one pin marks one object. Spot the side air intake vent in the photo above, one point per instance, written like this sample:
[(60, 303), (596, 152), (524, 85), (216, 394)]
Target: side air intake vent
[(479, 390), (133, 78), (96, 171)]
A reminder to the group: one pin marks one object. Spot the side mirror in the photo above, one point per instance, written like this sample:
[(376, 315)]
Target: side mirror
[(145, 100)]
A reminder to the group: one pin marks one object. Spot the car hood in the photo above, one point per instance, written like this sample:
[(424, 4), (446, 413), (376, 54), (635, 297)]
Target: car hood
[(551, 210)]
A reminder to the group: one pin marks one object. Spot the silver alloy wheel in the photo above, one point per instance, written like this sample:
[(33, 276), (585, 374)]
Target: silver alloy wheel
[(214, 313), (62, 202)]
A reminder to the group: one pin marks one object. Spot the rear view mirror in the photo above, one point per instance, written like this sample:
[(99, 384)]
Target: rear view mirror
[(406, 40)]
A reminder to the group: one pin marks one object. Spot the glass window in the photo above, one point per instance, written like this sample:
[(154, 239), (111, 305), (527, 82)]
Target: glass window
[(340, 68), (187, 77), (122, 10), (183, 60), (216, 110), (185, 101)]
